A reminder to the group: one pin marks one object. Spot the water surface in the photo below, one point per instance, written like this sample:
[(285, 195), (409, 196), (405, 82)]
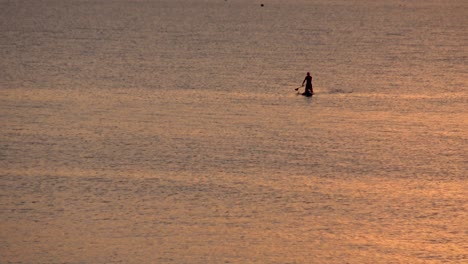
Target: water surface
[(170, 132)]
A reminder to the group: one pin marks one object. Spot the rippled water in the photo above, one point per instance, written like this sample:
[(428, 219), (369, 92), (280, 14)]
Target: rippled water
[(170, 132)]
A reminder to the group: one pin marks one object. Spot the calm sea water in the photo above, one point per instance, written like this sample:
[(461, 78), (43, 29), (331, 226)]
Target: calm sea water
[(170, 131)]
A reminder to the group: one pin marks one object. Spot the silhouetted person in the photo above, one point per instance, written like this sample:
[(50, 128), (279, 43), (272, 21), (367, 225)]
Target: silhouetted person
[(308, 89)]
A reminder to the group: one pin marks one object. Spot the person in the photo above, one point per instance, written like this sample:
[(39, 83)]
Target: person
[(308, 89)]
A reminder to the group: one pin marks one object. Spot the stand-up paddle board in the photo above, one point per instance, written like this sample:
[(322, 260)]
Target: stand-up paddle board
[(307, 94)]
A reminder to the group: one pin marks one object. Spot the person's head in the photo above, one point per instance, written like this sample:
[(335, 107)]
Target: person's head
[(308, 73)]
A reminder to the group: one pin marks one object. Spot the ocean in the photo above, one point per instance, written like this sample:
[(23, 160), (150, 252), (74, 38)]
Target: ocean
[(170, 131)]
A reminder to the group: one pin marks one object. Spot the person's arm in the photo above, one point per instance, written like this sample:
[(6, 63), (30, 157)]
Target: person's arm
[(303, 81)]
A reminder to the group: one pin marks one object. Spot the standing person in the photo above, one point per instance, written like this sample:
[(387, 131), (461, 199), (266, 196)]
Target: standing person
[(308, 89)]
